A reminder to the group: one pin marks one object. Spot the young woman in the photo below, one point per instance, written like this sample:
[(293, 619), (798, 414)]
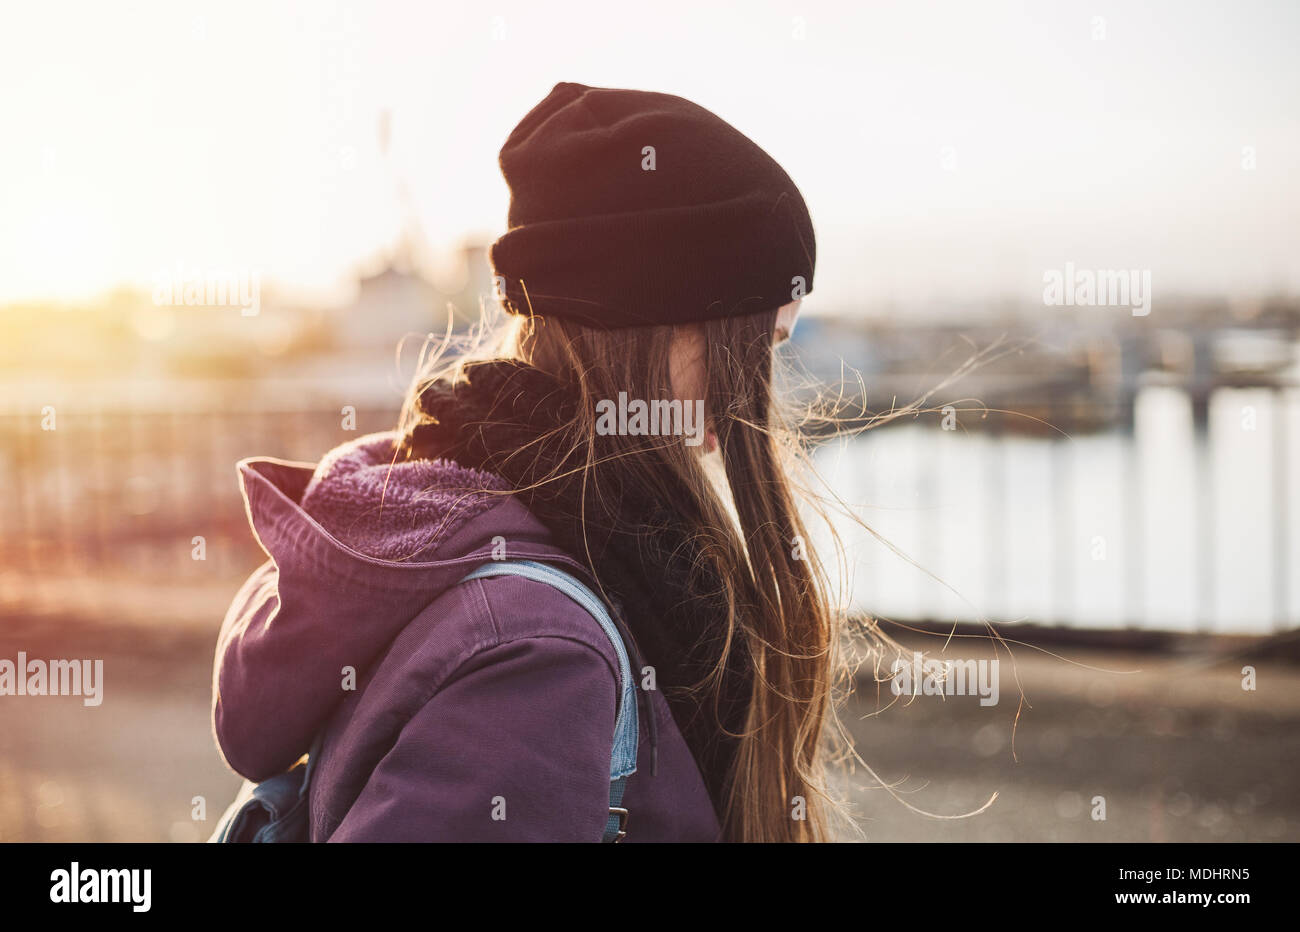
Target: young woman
[(655, 256)]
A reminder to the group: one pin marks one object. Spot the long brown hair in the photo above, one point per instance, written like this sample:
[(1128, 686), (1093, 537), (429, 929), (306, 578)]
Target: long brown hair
[(744, 520)]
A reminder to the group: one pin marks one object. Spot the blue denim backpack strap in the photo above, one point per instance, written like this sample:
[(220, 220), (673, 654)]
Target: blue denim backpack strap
[(623, 759), (274, 810)]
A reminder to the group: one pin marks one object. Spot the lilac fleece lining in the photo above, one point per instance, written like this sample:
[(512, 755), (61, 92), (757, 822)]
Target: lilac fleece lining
[(395, 510)]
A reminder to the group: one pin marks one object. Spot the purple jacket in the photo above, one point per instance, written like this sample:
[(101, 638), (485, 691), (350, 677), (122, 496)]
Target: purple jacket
[(464, 702)]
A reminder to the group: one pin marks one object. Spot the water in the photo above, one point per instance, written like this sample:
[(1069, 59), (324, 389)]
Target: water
[(1160, 529)]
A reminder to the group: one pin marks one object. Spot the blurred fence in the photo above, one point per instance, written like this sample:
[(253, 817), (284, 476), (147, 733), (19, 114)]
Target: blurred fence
[(1197, 521), (112, 491), (1185, 520)]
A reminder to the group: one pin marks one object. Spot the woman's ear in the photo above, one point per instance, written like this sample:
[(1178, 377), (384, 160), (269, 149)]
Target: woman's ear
[(785, 319)]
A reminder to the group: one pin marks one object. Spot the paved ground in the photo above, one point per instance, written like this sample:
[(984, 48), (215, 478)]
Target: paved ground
[(1179, 751)]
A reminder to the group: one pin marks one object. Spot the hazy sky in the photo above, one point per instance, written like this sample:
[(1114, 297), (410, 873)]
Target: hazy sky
[(949, 152)]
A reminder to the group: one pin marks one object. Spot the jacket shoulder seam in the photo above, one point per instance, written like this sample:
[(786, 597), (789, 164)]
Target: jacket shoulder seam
[(475, 652), (592, 634)]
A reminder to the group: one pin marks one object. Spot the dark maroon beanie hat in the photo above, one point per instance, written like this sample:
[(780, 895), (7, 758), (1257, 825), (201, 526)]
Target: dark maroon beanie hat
[(630, 208)]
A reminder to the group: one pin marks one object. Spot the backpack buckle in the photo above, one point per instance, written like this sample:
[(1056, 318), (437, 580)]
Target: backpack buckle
[(622, 823)]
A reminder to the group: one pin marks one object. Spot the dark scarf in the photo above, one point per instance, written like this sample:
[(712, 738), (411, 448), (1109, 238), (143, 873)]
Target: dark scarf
[(632, 542)]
